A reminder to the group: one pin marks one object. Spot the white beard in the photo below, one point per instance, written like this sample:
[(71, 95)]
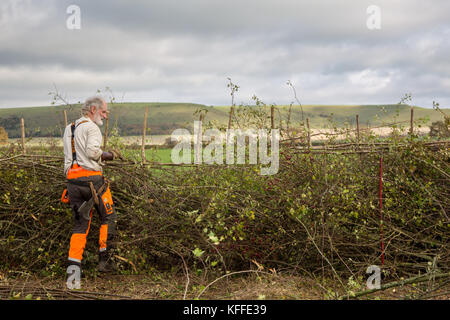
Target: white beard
[(98, 120)]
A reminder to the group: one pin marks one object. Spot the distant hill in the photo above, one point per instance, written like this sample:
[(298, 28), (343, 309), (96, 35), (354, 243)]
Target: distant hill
[(165, 117)]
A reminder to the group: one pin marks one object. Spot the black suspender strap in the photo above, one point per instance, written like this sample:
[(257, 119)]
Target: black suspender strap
[(74, 154)]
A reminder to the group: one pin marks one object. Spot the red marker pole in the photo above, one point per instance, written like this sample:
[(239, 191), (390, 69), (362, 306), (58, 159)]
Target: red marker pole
[(381, 211)]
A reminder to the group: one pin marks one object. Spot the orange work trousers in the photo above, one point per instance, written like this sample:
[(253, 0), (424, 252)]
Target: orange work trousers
[(79, 191)]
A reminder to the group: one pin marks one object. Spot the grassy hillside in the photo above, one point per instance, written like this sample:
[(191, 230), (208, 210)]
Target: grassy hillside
[(128, 117), (165, 117), (320, 115)]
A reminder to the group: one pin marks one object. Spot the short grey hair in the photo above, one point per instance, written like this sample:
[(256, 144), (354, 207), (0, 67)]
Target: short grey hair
[(96, 101)]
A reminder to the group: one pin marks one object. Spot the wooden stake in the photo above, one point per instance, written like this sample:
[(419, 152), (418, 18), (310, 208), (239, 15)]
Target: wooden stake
[(144, 129), (357, 129), (198, 141), (272, 117), (230, 117), (65, 118), (199, 138), (22, 129), (105, 138), (411, 129), (288, 122), (308, 132)]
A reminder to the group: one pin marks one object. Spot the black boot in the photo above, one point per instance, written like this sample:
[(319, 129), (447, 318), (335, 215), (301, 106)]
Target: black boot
[(105, 263)]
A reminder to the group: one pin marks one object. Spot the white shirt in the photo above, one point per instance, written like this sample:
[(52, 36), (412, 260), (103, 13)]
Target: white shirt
[(88, 139)]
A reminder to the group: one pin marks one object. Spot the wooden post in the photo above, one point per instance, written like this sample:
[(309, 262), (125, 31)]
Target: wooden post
[(198, 141), (288, 122), (65, 118), (357, 130), (272, 117), (230, 121), (230, 117), (411, 129), (144, 129), (309, 133), (22, 129), (105, 137)]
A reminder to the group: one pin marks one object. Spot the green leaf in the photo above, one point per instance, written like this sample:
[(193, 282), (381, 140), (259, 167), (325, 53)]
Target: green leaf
[(197, 252), (213, 237)]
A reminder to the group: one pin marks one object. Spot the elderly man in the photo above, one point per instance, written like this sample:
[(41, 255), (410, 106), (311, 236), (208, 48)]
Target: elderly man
[(86, 186)]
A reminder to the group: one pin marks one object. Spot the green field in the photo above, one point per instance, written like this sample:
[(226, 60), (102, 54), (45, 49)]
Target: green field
[(156, 154), (165, 117)]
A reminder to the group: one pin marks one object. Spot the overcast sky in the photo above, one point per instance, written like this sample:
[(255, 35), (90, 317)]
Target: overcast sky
[(183, 51)]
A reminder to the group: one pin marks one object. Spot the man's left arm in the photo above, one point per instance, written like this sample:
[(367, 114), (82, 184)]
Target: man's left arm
[(93, 146), (93, 143)]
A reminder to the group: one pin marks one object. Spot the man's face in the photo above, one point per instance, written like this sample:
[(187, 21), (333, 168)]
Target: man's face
[(100, 114)]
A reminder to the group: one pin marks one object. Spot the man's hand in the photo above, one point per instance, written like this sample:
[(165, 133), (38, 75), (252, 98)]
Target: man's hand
[(111, 155), (117, 154), (107, 156)]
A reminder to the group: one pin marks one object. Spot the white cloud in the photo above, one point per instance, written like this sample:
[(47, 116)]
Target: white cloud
[(369, 80), (22, 14)]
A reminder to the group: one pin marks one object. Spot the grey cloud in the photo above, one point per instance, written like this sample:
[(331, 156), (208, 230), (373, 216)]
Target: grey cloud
[(183, 51)]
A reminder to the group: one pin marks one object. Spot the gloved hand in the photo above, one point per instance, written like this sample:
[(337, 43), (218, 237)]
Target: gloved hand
[(111, 155), (107, 156), (117, 154)]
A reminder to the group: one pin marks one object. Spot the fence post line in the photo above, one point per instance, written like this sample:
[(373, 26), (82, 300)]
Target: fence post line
[(411, 129), (144, 129), (22, 130)]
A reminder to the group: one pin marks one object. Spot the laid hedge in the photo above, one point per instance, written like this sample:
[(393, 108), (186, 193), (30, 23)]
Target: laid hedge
[(319, 214)]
